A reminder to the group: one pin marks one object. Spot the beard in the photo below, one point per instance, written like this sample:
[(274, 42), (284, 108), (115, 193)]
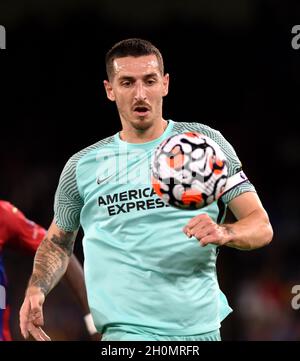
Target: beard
[(142, 124)]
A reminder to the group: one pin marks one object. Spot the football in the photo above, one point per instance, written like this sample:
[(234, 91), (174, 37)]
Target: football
[(189, 171)]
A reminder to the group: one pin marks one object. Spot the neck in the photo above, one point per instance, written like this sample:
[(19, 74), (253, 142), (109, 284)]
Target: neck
[(132, 135)]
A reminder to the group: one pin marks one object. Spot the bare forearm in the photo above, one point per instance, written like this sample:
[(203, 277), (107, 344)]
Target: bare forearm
[(253, 231), (51, 261)]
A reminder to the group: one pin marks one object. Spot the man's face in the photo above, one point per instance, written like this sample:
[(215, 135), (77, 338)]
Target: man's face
[(138, 87)]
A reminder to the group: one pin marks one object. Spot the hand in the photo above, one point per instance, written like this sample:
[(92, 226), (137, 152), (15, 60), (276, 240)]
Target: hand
[(31, 315), (207, 231), (90, 326), (95, 337)]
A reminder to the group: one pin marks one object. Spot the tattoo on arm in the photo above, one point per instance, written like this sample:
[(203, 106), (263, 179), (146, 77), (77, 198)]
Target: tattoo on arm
[(229, 229), (65, 241), (51, 261)]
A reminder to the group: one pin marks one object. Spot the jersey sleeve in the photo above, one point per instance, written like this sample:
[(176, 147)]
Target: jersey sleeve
[(234, 164), (68, 202), (22, 232), (234, 167)]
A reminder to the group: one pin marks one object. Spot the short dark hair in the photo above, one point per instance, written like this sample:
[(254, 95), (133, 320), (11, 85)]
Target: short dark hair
[(131, 47)]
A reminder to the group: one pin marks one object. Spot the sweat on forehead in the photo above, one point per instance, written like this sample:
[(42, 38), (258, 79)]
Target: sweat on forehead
[(123, 64)]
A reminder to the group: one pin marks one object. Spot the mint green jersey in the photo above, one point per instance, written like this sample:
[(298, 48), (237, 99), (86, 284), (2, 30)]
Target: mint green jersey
[(141, 270)]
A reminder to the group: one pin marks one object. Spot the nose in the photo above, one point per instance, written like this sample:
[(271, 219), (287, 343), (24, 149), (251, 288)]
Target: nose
[(140, 92)]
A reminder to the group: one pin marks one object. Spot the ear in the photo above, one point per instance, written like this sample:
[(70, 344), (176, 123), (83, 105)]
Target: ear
[(166, 78), (109, 90)]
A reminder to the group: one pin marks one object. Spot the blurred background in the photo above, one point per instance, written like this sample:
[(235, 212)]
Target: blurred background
[(232, 66)]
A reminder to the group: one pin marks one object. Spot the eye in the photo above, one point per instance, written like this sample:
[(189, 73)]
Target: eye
[(126, 83), (151, 81)]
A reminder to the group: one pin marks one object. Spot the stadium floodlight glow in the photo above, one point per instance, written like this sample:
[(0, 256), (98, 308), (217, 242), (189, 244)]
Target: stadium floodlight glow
[(2, 37), (2, 298)]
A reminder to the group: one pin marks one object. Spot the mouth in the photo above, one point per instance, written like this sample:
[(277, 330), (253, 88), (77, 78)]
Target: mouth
[(141, 110)]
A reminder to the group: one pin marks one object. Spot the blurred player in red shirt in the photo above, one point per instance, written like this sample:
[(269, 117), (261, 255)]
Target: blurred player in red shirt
[(18, 232)]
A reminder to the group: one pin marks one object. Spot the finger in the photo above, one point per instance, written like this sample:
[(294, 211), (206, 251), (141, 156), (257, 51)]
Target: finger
[(199, 231), (190, 231), (37, 333), (204, 241), (198, 227), (195, 220), (43, 335), (187, 232), (24, 316)]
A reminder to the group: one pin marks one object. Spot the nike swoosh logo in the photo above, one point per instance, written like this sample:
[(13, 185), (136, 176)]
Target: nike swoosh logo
[(103, 180)]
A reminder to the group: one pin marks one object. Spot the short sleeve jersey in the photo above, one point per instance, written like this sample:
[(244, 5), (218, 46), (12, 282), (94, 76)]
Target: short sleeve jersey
[(141, 270)]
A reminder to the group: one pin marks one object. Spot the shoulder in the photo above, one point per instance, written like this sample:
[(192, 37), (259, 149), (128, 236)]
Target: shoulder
[(195, 127), (91, 148), (227, 148), (10, 213), (74, 160), (212, 133), (6, 207)]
